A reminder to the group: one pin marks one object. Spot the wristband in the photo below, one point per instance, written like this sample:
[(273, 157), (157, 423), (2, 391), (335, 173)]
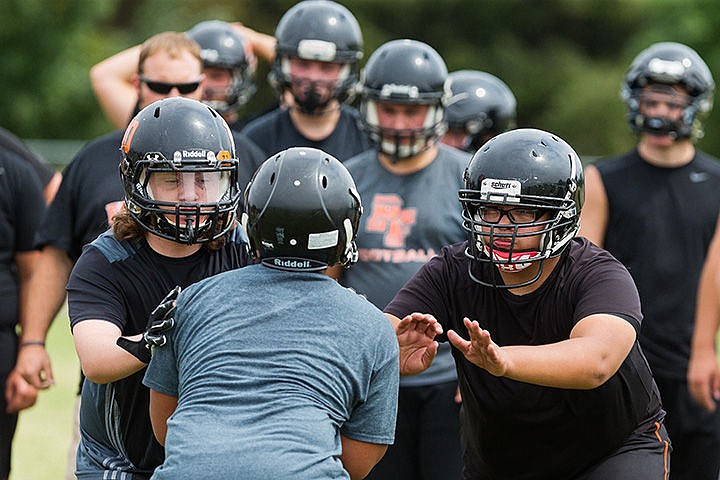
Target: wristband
[(29, 343), (137, 349)]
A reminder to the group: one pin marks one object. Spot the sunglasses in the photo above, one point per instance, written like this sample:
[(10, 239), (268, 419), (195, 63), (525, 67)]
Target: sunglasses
[(164, 88)]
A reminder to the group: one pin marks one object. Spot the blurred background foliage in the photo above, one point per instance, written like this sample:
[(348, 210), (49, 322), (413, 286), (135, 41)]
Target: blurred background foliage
[(564, 59)]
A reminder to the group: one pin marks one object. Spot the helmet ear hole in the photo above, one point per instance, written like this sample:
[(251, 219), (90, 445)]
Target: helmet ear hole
[(324, 182)]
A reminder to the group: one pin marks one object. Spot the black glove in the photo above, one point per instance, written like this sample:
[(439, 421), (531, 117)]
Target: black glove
[(159, 323)]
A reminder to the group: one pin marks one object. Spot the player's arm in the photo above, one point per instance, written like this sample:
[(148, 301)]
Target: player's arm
[(101, 358), (261, 44), (703, 374), (597, 346), (114, 82), (18, 393), (358, 458), (594, 215), (52, 187), (161, 407), (38, 307)]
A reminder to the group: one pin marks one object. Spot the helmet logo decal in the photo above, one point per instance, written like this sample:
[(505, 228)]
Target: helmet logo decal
[(323, 240), (292, 264), (180, 155), (668, 69), (390, 89), (316, 50), (500, 190), (129, 134)]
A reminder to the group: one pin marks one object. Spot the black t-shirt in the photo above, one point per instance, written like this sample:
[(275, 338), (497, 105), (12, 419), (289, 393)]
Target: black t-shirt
[(514, 429), (275, 132), (122, 282), (91, 192), (21, 209), (10, 142), (660, 224), (250, 157)]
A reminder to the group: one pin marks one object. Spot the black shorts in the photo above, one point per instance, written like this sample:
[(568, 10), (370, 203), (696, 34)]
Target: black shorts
[(645, 455)]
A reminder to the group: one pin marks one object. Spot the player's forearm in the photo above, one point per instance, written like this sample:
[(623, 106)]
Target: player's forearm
[(44, 294), (707, 311), (574, 364), (103, 361)]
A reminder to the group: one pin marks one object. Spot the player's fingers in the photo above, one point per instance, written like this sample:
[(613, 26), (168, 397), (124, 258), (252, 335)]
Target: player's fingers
[(458, 342)]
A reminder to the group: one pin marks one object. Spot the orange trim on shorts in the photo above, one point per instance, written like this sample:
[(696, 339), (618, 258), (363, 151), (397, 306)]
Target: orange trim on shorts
[(666, 473)]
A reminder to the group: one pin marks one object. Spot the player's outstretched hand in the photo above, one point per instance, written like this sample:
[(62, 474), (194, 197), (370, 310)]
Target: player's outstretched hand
[(480, 349), (416, 338)]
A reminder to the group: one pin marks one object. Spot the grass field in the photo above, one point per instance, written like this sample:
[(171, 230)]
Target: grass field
[(44, 431)]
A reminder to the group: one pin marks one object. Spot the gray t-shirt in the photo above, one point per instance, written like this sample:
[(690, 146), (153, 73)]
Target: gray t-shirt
[(407, 220), (269, 367)]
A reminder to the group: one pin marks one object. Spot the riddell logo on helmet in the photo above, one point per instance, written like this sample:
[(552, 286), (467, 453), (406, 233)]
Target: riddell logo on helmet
[(194, 154), (291, 263)]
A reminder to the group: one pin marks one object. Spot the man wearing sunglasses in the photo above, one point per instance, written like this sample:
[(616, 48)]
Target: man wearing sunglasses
[(89, 196), (122, 89)]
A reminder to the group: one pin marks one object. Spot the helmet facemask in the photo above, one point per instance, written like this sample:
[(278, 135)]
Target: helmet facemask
[(686, 126), (234, 96), (492, 242), (312, 97), (665, 65), (186, 200), (404, 143)]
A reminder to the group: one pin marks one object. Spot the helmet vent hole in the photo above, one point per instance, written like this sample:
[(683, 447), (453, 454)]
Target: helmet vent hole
[(534, 153), (324, 182), (272, 178), (156, 113), (542, 142)]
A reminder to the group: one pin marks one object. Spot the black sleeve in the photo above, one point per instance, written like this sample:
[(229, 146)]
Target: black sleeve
[(93, 293), (12, 143), (57, 226), (428, 291), (250, 157)]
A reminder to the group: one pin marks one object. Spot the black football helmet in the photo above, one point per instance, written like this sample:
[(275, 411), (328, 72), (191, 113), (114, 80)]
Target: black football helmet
[(302, 211), (222, 47), (481, 106), (184, 147), (405, 72), (669, 63), (524, 169), (319, 30)]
